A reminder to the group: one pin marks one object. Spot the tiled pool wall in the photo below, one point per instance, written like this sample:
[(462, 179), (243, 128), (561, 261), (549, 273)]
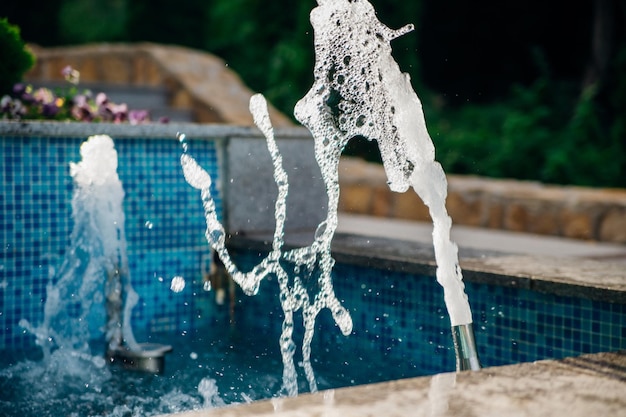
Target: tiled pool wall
[(396, 315), (164, 225), (402, 317)]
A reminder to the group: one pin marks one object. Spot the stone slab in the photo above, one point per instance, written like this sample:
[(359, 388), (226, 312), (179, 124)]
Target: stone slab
[(590, 385)]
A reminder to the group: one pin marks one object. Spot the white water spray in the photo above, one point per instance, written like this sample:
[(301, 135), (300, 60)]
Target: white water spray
[(358, 90), (95, 267), (310, 266)]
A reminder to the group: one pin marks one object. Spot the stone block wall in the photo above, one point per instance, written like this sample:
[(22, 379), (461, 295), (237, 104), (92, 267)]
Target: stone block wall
[(194, 80), (519, 206)]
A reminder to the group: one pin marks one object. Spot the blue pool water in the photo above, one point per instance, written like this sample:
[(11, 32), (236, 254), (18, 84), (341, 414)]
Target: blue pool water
[(401, 330), (241, 360), (402, 316)]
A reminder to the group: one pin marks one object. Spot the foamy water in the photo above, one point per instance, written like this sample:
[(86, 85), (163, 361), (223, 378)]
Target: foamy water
[(358, 90)]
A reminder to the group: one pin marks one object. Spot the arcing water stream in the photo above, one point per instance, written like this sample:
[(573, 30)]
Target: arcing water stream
[(358, 90)]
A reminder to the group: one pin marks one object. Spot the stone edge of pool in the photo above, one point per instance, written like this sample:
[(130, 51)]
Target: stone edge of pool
[(565, 276), (581, 386)]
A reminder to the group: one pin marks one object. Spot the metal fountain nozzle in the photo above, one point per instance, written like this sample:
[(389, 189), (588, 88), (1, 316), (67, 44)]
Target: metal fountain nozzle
[(465, 348), (149, 358)]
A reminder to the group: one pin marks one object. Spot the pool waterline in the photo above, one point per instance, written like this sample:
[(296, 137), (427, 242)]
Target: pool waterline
[(595, 382), (535, 313)]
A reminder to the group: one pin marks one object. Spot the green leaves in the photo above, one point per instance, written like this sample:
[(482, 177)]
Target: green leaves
[(544, 132), (15, 58)]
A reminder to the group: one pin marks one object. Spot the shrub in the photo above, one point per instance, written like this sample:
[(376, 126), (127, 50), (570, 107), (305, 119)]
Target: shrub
[(15, 58), (548, 132)]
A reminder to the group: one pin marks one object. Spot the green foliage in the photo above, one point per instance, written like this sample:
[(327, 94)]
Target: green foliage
[(168, 22), (268, 43), (83, 21), (15, 58), (544, 132)]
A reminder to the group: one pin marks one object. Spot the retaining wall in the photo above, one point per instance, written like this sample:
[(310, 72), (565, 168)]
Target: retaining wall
[(521, 206)]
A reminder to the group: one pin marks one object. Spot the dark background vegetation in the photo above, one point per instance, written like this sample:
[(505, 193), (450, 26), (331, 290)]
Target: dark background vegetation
[(525, 89)]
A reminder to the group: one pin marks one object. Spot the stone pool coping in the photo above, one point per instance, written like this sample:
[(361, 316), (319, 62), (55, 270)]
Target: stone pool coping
[(562, 275), (589, 385)]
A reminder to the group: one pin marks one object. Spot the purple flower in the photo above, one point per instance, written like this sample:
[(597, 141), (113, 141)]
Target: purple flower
[(81, 109), (119, 112), (111, 112), (71, 75), (49, 110), (44, 96), (82, 114), (80, 100), (13, 108), (19, 89), (5, 103), (136, 117), (42, 103), (101, 99)]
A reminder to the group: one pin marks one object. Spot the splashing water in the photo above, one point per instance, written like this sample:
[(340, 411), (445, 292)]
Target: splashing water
[(95, 267), (207, 388), (358, 90), (294, 292)]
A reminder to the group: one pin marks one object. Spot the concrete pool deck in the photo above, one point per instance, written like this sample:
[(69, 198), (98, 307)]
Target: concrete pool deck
[(555, 265)]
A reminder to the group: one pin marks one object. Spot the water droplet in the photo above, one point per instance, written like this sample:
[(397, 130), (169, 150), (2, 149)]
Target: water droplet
[(98, 361), (183, 141), (177, 284)]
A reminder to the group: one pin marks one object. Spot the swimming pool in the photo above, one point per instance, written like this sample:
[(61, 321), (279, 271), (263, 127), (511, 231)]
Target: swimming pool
[(395, 303), (401, 331), (397, 308)]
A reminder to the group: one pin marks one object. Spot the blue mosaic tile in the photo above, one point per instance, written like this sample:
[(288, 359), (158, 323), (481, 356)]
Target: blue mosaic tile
[(402, 317), (164, 225)]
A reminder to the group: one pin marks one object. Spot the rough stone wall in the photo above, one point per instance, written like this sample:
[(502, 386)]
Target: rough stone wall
[(194, 80), (520, 206)]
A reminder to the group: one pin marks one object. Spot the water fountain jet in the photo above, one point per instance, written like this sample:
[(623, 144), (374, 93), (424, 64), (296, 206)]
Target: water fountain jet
[(95, 261), (358, 90)]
